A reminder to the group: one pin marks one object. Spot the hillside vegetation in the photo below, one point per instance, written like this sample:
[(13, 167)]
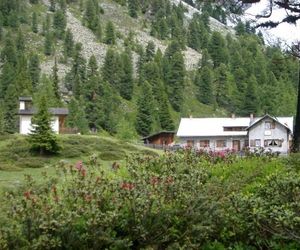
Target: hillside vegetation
[(182, 200), (134, 67), (16, 160)]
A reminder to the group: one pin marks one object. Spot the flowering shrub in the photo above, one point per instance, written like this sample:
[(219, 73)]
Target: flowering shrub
[(168, 202)]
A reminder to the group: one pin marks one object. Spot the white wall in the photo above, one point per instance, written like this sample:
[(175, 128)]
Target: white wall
[(25, 124), (22, 105), (213, 141), (258, 131)]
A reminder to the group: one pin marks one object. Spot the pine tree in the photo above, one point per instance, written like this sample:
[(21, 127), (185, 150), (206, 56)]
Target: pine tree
[(76, 118), (133, 8), (126, 79), (110, 36), (204, 82), (68, 44), (144, 119), (217, 49), (1, 119), (59, 23), (7, 78), (165, 119), (8, 53), (112, 69), (42, 138), (34, 70), (55, 80), (23, 79), (34, 24), (150, 51), (10, 109), (251, 102), (48, 47), (20, 42)]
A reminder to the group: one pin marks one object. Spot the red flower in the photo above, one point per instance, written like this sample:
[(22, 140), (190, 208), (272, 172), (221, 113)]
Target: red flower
[(154, 180), (127, 186), (27, 195)]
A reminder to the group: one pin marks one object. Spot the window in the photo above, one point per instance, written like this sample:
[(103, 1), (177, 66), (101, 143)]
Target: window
[(190, 143), (221, 143), (273, 143), (204, 143), (234, 128), (257, 143), (269, 125)]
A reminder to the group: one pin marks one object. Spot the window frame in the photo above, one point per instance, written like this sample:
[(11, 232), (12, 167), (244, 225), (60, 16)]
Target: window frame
[(206, 143), (223, 142)]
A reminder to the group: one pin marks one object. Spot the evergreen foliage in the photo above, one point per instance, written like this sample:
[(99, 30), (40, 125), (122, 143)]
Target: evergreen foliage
[(76, 118), (34, 70), (34, 24), (42, 139), (144, 118), (10, 109), (204, 82), (110, 36)]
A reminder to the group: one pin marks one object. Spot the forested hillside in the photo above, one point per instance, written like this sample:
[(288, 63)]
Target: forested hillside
[(133, 67)]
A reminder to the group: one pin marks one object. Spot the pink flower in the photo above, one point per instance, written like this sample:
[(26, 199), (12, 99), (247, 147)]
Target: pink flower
[(79, 165)]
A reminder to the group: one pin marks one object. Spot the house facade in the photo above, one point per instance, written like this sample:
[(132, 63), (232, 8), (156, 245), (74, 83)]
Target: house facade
[(163, 138), (26, 112), (217, 134)]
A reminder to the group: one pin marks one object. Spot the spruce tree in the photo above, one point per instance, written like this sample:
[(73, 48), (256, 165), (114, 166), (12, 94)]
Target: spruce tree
[(150, 51), (144, 120), (48, 46), (55, 80), (251, 101), (110, 36), (68, 44), (59, 23), (217, 49), (7, 78), (20, 42), (34, 24), (76, 118), (42, 138), (165, 119), (8, 53), (133, 8), (204, 82), (126, 79), (34, 70), (10, 109)]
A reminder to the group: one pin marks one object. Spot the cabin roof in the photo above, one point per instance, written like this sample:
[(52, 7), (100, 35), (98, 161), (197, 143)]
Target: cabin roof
[(209, 127), (53, 111), (25, 98), (159, 133)]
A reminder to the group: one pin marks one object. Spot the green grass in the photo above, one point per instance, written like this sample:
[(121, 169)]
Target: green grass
[(17, 161)]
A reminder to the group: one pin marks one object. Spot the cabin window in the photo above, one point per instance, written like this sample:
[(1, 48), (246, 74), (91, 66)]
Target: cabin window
[(190, 143), (204, 143), (234, 128), (221, 143), (273, 143), (257, 143), (269, 125)]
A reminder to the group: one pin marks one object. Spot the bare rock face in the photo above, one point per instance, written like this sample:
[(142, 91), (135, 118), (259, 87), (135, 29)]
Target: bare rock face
[(124, 24)]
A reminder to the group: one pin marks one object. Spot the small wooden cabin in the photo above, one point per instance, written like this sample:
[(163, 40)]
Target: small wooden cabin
[(163, 138)]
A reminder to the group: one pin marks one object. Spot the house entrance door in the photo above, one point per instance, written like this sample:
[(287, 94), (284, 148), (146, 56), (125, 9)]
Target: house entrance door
[(236, 145)]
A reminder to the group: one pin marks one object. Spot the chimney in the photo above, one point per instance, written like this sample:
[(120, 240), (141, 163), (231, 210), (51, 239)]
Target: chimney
[(251, 118), (233, 116)]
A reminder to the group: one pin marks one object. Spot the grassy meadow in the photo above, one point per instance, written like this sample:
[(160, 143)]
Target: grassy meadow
[(16, 161)]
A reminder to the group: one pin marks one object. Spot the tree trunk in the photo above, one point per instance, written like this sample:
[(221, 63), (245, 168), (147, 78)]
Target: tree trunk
[(296, 142)]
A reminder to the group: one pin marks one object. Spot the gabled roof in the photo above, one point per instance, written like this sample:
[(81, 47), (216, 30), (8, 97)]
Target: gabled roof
[(53, 111), (158, 133), (286, 122), (25, 98), (209, 127)]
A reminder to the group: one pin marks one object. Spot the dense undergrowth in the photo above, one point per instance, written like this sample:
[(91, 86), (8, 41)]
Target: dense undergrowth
[(182, 200)]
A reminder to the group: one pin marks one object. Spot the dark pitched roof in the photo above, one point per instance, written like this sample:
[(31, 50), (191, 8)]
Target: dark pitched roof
[(271, 117), (158, 133), (25, 98), (53, 111)]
